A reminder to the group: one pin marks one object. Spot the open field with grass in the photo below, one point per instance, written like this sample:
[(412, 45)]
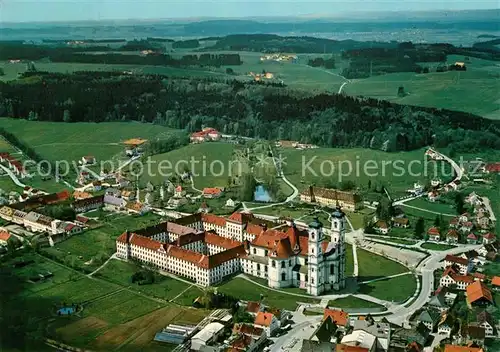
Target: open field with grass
[(438, 207), (164, 287), (248, 291), (7, 185), (211, 164), (352, 302), (112, 315), (475, 90), (314, 166), (71, 141), (436, 246), (372, 266), (88, 250), (396, 289)]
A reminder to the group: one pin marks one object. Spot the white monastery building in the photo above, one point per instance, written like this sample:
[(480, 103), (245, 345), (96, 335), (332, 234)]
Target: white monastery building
[(206, 248)]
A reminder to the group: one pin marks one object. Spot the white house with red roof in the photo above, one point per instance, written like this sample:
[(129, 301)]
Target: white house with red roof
[(434, 234), (206, 134), (212, 192), (4, 237), (489, 238), (463, 265)]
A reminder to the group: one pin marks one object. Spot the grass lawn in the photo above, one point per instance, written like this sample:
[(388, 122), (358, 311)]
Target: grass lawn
[(436, 246), (165, 288), (396, 289), (372, 266), (492, 269), (352, 302), (71, 141), (248, 291), (358, 219), (7, 185), (303, 167), (97, 244), (349, 260), (210, 164), (438, 207)]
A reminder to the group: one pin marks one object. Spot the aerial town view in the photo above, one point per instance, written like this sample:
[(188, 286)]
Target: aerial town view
[(250, 176)]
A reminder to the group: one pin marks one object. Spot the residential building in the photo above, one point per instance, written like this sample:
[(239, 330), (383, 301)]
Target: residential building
[(381, 227), (478, 294), (268, 322), (429, 318), (4, 237), (401, 222), (445, 325), (471, 333), (464, 266), (213, 192), (456, 348), (112, 203), (472, 238), (207, 336), (248, 338), (450, 278), (206, 248), (179, 192), (434, 234), (438, 302), (340, 347), (452, 237), (489, 238), (230, 203), (486, 321), (495, 282), (375, 336), (338, 316), (88, 204), (205, 135), (331, 197)]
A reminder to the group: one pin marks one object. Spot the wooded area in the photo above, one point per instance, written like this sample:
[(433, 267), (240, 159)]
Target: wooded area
[(233, 107)]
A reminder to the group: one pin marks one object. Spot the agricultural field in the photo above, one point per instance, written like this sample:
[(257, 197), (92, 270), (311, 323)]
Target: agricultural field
[(373, 266), (436, 207), (345, 166), (71, 141), (110, 314), (88, 250), (474, 91), (164, 288), (211, 164)]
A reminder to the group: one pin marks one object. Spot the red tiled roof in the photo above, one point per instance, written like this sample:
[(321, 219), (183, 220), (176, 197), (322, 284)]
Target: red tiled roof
[(493, 167), (433, 231), (4, 236), (213, 190), (219, 241), (489, 236), (452, 233), (82, 219), (479, 276), (457, 260), (346, 348), (455, 348), (248, 329), (254, 229), (241, 217), (495, 281), (213, 219), (472, 237), (69, 227), (263, 319), (478, 290), (339, 317), (253, 307), (269, 238)]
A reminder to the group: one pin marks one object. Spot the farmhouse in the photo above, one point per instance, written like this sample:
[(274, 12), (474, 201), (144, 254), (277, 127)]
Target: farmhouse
[(214, 192), (206, 248), (478, 294), (434, 234), (205, 135), (332, 197)]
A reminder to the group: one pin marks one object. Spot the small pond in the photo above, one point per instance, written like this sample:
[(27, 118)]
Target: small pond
[(261, 195)]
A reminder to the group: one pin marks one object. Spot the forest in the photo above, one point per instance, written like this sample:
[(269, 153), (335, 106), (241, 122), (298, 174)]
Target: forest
[(233, 107)]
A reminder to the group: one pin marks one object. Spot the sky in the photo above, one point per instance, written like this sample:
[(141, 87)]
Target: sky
[(74, 10)]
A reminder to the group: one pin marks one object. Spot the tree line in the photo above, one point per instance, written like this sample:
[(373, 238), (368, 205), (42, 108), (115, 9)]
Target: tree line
[(234, 107)]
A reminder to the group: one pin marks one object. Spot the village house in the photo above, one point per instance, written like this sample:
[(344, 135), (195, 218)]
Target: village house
[(83, 177), (434, 234), (452, 236), (464, 266), (88, 160), (486, 321), (248, 338), (456, 348), (78, 195), (381, 227), (452, 279), (214, 192), (331, 198), (433, 196), (445, 324), (136, 208), (489, 238), (179, 192), (128, 195), (254, 307), (369, 334), (113, 203), (401, 222), (268, 322), (495, 282), (4, 237), (472, 238), (438, 302), (88, 204), (478, 294), (429, 318), (230, 203), (207, 336), (81, 221), (339, 317), (471, 333)]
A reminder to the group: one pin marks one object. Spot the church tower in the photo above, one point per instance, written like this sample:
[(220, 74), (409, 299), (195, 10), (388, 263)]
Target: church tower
[(338, 230), (315, 270)]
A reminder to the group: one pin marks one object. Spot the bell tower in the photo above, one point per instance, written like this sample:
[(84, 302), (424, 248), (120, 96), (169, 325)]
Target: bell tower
[(338, 230), (315, 258)]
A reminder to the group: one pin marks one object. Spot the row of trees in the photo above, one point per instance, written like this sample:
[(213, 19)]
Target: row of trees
[(251, 110)]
